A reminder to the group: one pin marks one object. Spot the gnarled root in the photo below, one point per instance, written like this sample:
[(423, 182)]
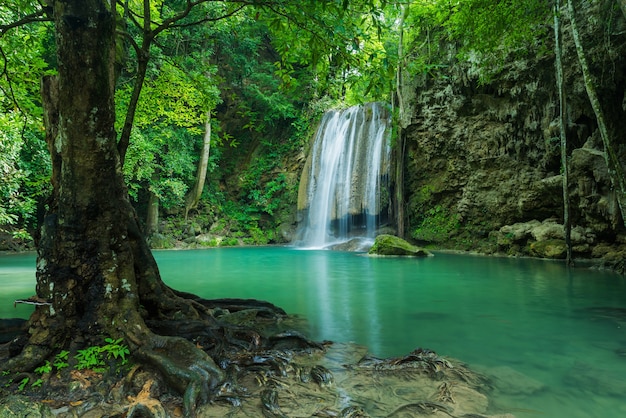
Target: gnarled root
[(30, 357), (185, 367)]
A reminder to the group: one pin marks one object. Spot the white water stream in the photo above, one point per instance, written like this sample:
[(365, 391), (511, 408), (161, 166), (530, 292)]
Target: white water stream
[(346, 176)]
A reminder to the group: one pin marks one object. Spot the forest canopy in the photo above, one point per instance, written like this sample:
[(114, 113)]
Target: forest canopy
[(263, 70)]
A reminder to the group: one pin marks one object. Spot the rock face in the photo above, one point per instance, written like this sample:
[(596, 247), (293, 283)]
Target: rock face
[(392, 245), (486, 155)]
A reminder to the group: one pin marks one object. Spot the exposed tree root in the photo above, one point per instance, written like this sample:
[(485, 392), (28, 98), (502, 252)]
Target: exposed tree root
[(185, 367), (242, 336), (179, 335), (26, 354)]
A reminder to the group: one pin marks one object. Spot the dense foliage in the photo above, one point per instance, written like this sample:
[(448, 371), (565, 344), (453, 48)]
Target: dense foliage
[(263, 70)]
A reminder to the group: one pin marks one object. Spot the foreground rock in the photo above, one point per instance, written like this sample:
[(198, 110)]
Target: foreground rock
[(392, 245), (341, 380), (287, 375)]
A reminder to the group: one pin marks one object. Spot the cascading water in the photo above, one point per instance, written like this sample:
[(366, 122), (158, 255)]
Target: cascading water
[(345, 177)]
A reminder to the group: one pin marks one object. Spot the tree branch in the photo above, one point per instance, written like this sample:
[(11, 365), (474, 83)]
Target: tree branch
[(38, 16)]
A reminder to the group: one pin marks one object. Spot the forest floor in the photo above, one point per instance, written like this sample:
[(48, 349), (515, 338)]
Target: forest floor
[(332, 380)]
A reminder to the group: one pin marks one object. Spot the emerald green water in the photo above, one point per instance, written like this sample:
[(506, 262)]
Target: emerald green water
[(534, 323)]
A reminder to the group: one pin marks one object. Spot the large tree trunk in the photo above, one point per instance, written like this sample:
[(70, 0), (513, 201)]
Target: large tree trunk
[(193, 196), (94, 268)]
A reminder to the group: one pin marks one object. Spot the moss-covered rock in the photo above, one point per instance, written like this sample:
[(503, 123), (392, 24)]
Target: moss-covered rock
[(22, 406), (551, 248), (392, 245)]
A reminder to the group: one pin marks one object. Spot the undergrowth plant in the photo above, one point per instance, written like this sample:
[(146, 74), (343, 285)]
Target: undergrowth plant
[(98, 358), (437, 224), (94, 357)]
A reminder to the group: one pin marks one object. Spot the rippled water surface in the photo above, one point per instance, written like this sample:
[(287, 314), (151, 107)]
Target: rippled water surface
[(554, 338)]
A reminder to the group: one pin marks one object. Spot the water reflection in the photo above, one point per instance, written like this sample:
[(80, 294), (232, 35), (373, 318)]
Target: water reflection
[(554, 337), (17, 281)]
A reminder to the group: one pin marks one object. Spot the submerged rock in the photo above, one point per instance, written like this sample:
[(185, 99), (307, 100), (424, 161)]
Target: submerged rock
[(392, 245), (512, 382)]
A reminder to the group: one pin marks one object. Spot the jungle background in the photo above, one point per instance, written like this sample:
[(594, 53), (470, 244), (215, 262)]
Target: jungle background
[(472, 86)]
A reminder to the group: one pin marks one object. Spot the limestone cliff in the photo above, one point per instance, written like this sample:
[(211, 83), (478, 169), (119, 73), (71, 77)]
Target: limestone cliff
[(482, 161)]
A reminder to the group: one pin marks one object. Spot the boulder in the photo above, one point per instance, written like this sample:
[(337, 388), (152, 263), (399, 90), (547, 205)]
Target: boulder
[(21, 406), (392, 245), (355, 245), (552, 248)]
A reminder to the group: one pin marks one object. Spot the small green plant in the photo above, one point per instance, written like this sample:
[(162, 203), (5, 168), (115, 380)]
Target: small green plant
[(90, 358), (37, 383), (115, 349), (23, 384), (22, 235), (94, 357), (230, 242), (60, 360), (46, 368)]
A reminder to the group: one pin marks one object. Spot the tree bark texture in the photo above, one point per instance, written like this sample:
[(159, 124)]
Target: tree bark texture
[(152, 215), (85, 268)]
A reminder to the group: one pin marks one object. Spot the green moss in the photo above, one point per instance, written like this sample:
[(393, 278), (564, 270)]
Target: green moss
[(552, 248), (437, 225), (392, 245)]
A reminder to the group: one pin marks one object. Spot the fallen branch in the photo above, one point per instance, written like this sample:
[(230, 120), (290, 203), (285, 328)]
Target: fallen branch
[(33, 300)]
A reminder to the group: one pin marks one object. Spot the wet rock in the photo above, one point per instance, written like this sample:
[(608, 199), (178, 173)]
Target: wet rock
[(545, 239), (355, 244), (553, 248), (392, 245), (21, 406), (517, 232)]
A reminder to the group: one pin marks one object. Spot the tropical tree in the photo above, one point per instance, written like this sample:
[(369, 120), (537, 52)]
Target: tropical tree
[(95, 269), (24, 165), (96, 276), (162, 155)]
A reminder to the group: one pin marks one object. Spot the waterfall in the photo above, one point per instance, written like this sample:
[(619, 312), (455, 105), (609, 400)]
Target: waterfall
[(345, 177)]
